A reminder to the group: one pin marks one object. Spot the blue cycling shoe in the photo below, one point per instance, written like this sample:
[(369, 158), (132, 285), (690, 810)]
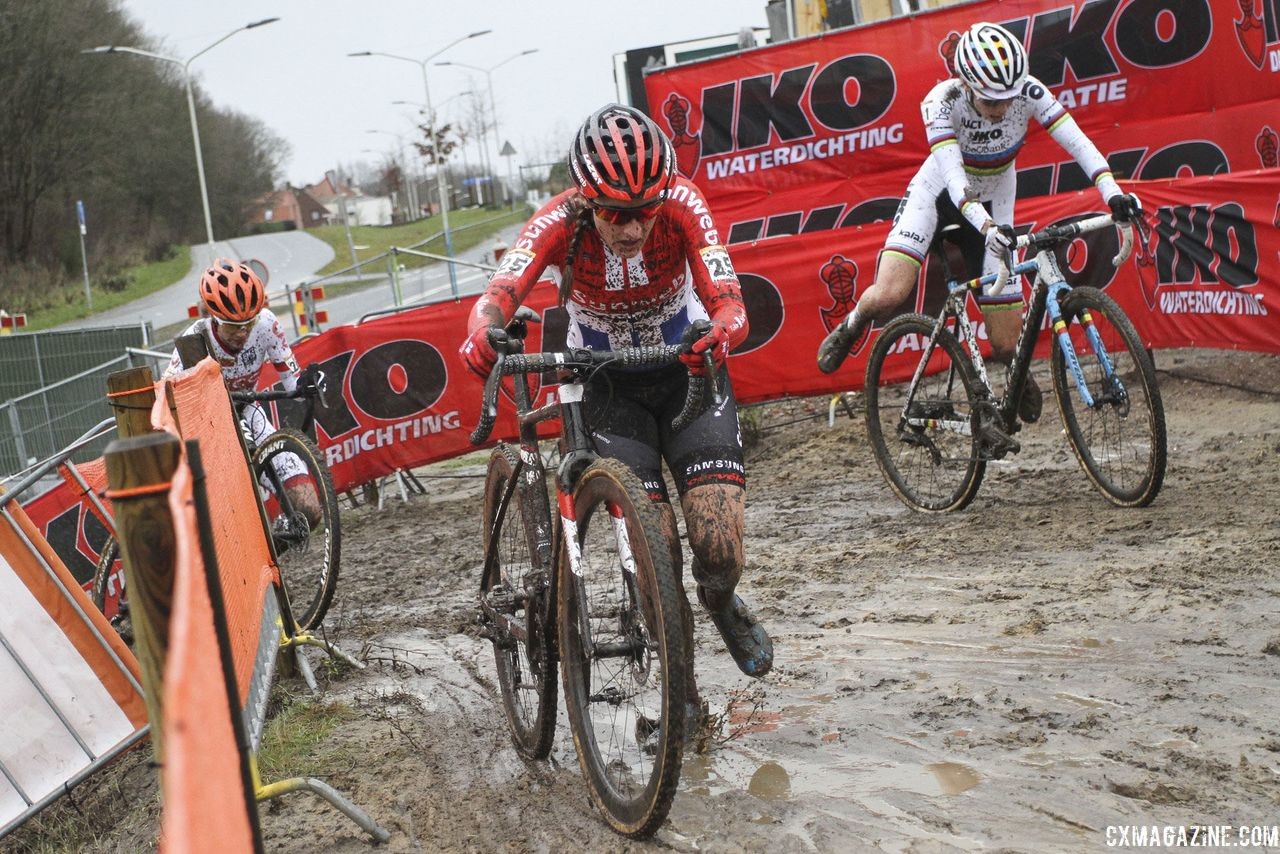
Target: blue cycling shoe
[(746, 640)]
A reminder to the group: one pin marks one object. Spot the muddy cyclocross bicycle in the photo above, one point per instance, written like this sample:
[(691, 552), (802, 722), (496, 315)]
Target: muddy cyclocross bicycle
[(592, 586), (307, 552), (308, 546), (933, 435)]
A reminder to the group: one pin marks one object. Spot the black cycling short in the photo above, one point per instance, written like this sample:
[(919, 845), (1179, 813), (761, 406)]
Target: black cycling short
[(630, 416)]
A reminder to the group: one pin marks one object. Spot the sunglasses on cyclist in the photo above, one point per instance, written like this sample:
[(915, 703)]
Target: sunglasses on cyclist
[(622, 216), (228, 326), (990, 103)]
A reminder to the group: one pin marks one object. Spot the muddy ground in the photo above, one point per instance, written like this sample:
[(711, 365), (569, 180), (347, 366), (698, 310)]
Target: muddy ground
[(1020, 675)]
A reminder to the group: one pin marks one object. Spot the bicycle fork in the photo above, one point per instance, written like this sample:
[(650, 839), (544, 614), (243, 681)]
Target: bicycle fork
[(1058, 289)]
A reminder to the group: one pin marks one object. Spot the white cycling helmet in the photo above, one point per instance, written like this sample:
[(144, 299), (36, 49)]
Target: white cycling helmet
[(991, 61)]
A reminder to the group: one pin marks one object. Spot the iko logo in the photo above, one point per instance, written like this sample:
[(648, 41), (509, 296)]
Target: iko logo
[(687, 146), (1257, 32), (1206, 246), (840, 275), (1266, 146), (1148, 35)]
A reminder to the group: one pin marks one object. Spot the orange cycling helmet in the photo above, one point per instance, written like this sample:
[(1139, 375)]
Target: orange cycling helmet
[(620, 155), (232, 292)]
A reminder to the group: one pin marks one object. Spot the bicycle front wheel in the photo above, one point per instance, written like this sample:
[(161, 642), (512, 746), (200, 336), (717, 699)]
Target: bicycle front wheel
[(303, 519), (923, 435), (622, 648), (513, 601), (1119, 436)]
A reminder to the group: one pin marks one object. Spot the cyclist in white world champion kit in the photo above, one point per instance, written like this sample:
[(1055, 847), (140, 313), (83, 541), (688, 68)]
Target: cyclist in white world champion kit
[(243, 335), (975, 122)]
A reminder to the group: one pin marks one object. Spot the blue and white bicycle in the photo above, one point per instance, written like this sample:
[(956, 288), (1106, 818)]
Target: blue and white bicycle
[(934, 434)]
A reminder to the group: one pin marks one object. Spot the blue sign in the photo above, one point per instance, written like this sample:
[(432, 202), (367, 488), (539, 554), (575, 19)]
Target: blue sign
[(80, 212)]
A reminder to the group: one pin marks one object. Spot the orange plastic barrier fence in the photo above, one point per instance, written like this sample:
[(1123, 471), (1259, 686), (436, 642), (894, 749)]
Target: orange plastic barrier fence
[(243, 554), (206, 795)]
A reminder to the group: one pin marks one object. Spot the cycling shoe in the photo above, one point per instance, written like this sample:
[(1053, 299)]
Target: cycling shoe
[(836, 346), (746, 640)]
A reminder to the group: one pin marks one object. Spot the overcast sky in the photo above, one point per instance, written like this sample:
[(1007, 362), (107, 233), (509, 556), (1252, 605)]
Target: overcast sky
[(295, 74)]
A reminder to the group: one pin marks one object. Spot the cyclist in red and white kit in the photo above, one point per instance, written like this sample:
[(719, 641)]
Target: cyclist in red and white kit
[(975, 122), (243, 336), (638, 259)]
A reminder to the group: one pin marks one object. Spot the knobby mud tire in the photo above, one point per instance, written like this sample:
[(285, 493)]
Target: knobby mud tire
[(309, 573), (526, 669), (645, 610), (918, 480), (1121, 447)]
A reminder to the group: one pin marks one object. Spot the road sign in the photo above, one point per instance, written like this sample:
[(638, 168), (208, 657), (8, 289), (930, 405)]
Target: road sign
[(507, 150)]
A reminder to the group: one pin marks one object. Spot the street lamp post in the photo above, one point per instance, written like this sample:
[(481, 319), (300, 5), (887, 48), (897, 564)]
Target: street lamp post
[(185, 65), (488, 73), (435, 143)]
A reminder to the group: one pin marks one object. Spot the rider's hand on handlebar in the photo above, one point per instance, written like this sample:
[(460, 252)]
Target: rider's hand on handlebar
[(477, 351), (1125, 207), (1000, 241), (1000, 238), (715, 341)]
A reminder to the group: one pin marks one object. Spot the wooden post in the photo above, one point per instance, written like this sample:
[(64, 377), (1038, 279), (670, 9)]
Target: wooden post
[(191, 349), (144, 465), (132, 393)]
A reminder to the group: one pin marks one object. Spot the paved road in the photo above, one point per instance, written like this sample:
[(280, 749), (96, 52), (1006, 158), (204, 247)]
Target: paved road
[(289, 256), (417, 286), (295, 256)]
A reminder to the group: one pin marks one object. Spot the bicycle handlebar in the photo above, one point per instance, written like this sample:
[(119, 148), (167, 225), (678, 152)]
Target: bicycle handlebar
[(695, 402), (1056, 234)]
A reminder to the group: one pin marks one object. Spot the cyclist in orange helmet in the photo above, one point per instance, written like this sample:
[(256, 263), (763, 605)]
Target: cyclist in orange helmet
[(242, 334)]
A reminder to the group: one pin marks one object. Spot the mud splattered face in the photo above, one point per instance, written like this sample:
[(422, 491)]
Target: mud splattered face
[(624, 238), (991, 109)]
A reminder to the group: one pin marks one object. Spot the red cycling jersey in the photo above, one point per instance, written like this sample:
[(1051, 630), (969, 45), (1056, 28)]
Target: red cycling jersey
[(682, 274)]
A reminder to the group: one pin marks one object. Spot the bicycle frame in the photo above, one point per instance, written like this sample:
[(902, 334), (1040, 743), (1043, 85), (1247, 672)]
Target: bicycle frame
[(553, 540), (1050, 289)]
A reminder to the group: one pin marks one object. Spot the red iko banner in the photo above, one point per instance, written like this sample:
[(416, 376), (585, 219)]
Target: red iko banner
[(824, 133), (407, 398)]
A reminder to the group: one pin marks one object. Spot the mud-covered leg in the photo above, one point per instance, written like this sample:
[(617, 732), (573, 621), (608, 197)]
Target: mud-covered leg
[(714, 515)]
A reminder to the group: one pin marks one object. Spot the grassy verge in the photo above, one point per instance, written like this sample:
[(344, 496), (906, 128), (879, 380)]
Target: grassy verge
[(141, 281), (468, 228), (296, 742)]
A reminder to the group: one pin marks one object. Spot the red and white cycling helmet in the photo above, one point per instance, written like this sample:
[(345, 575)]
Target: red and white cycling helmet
[(231, 291), (619, 155), (991, 61)]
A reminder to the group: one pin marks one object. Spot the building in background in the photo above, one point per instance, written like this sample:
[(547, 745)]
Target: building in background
[(290, 205)]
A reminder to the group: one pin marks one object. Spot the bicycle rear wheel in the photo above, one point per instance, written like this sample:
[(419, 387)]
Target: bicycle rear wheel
[(1120, 439), (307, 533), (924, 438), (513, 599), (622, 650)]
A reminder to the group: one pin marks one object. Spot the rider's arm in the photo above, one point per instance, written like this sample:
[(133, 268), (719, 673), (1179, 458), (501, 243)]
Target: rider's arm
[(542, 243), (938, 109), (714, 279), (1064, 130), (281, 354)]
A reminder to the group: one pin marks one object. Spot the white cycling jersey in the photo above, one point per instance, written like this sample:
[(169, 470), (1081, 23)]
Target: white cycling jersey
[(971, 159), (241, 368)]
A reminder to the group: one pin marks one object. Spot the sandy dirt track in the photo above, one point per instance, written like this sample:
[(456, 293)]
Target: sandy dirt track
[(1020, 675)]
